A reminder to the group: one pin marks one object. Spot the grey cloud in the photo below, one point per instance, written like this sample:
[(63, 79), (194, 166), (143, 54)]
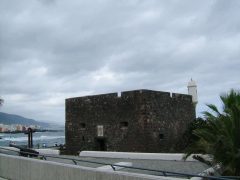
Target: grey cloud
[(51, 50)]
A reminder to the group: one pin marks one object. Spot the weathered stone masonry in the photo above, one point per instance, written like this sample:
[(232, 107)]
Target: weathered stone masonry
[(138, 121)]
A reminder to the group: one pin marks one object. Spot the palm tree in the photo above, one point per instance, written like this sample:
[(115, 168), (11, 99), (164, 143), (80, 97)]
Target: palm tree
[(221, 136)]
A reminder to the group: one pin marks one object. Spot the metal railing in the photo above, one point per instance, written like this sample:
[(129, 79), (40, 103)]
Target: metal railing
[(163, 172)]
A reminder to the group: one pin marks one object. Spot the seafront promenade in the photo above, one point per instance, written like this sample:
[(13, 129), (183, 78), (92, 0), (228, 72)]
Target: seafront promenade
[(157, 161), (97, 165), (22, 168)]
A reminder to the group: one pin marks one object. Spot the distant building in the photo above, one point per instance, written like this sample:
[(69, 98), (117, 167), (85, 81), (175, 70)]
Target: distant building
[(18, 127), (135, 121), (24, 128)]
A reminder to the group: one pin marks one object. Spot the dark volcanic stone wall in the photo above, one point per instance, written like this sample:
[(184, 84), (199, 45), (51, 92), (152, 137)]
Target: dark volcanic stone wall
[(138, 121)]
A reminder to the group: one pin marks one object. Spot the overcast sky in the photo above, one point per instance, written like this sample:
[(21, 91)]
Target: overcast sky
[(51, 50)]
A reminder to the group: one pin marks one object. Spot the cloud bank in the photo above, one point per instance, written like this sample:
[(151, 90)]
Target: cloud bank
[(55, 49)]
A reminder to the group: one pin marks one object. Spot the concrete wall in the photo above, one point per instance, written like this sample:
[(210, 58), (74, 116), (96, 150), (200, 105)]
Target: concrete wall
[(128, 155), (48, 151), (155, 121), (42, 151), (20, 168)]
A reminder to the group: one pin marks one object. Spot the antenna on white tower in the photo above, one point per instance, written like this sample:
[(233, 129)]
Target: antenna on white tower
[(192, 90)]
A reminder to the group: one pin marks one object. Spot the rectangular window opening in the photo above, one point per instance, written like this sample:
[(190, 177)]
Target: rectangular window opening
[(161, 136), (83, 126), (124, 125)]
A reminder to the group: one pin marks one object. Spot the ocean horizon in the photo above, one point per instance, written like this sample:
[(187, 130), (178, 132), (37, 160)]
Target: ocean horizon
[(40, 139)]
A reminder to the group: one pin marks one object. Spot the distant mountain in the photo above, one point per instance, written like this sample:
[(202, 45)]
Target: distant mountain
[(15, 119)]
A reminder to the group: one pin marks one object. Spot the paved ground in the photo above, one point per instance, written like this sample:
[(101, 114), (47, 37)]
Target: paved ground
[(191, 167)]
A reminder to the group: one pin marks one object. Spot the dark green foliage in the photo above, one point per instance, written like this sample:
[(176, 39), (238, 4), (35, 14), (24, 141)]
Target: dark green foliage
[(221, 135), (196, 124), (188, 137)]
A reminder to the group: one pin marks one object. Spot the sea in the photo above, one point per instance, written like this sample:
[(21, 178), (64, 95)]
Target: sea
[(40, 139)]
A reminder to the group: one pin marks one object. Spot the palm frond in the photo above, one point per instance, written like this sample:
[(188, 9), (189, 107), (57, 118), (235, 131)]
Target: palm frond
[(221, 135), (214, 109)]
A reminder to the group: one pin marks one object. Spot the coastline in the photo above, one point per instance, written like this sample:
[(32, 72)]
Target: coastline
[(37, 130)]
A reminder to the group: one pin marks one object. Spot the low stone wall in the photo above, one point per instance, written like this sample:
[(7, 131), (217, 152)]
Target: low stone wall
[(131, 155), (48, 151), (21, 168), (41, 151)]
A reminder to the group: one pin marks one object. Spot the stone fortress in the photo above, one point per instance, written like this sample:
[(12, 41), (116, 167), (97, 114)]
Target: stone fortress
[(135, 121)]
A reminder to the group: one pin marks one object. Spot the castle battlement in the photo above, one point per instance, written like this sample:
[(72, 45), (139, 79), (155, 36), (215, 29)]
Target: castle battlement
[(133, 93), (139, 121)]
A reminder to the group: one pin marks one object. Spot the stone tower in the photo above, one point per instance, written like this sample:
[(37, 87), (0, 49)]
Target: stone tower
[(192, 90), (137, 121)]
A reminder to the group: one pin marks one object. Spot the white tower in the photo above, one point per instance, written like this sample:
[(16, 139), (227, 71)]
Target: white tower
[(192, 90)]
